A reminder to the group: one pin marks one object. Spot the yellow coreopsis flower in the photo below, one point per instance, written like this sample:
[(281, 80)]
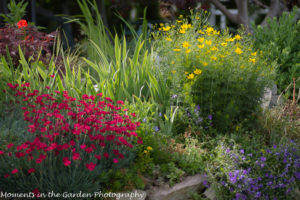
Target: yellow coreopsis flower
[(173, 62), (185, 44), (204, 64), (253, 54), (183, 26), (179, 21), (201, 32), (182, 31), (166, 28), (229, 40), (213, 58), (161, 24), (224, 44), (197, 71), (145, 151), (238, 50), (169, 39), (149, 148), (208, 42), (176, 50), (191, 76), (188, 51), (216, 32), (214, 49), (200, 40), (237, 37), (200, 46), (252, 60), (173, 71), (209, 30)]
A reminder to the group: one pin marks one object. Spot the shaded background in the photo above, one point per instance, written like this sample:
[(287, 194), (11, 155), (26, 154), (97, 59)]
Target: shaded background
[(50, 13)]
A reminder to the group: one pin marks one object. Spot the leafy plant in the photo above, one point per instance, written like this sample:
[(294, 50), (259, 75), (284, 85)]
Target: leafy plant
[(279, 41), (266, 173), (220, 73), (70, 137), (35, 45), (17, 11)]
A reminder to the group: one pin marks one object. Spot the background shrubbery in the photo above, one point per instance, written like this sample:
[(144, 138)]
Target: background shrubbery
[(279, 40)]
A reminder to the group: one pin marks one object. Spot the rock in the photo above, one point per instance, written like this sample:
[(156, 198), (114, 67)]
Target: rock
[(132, 195), (270, 98), (266, 98), (210, 194), (179, 191)]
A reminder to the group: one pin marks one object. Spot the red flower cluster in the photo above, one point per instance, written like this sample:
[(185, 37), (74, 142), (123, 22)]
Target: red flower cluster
[(72, 130), (22, 23)]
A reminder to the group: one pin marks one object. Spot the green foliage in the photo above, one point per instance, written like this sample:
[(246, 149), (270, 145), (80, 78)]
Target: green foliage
[(122, 179), (280, 122), (74, 80), (92, 26), (280, 41), (173, 173), (191, 118), (190, 156), (125, 76), (17, 12)]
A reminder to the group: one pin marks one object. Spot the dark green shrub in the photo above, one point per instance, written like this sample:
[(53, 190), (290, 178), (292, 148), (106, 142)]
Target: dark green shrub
[(280, 41)]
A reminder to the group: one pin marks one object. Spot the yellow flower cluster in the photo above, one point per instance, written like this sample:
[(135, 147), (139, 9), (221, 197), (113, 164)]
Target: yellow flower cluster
[(148, 149), (192, 75), (210, 49), (184, 27)]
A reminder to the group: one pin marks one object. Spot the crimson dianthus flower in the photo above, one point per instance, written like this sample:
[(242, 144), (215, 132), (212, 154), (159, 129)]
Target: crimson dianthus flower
[(31, 170), (98, 157), (14, 171), (106, 155), (76, 156), (66, 161), (10, 146), (90, 166), (36, 192)]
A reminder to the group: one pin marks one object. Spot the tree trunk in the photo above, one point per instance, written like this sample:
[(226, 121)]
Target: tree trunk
[(274, 11), (242, 18), (102, 11)]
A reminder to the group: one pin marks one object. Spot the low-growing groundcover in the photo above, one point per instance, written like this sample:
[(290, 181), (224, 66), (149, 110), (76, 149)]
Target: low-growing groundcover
[(271, 173)]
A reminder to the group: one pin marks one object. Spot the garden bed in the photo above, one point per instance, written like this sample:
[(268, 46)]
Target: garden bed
[(175, 112)]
